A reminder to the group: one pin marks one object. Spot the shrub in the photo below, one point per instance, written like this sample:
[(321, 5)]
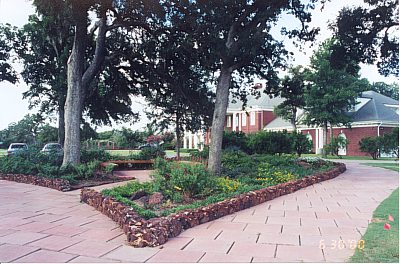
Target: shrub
[(177, 180), (335, 145), (227, 185), (301, 144), (88, 155), (370, 145), (151, 152), (390, 142), (203, 154), (236, 163), (274, 175), (234, 140), (264, 142)]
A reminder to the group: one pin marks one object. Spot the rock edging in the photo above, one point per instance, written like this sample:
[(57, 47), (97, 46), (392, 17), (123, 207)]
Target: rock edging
[(58, 184), (156, 231)]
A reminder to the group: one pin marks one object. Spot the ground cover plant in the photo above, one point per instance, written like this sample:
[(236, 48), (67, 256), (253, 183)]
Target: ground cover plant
[(182, 185), (48, 165), (389, 165), (381, 244)]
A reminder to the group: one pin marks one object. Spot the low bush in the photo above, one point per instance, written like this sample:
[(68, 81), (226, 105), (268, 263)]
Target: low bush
[(236, 163), (234, 140), (274, 175), (271, 143), (88, 155)]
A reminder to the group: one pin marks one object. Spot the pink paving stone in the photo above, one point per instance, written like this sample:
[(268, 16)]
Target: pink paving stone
[(46, 256), (226, 226), (338, 255), (10, 222), (206, 245), (21, 237), (325, 230), (24, 215), (4, 232), (242, 236), (318, 222), (263, 228), (332, 215), (55, 243), (227, 218), (100, 234), (269, 260), (177, 243), (309, 230), (319, 241), (201, 233), (83, 259), (101, 223), (90, 248), (64, 230), (257, 219), (278, 213), (9, 252), (352, 222), (313, 208), (211, 257), (303, 253), (284, 220), (254, 250), (36, 226), (130, 254), (48, 218), (290, 213), (283, 239), (75, 220), (168, 256)]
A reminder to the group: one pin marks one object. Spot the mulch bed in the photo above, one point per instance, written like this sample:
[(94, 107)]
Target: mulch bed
[(156, 231), (60, 184)]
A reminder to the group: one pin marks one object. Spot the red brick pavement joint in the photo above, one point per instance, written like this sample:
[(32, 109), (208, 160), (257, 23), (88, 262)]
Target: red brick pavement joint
[(157, 231)]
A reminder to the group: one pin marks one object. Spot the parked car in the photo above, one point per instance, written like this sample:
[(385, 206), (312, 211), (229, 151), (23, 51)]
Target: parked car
[(52, 148), (16, 148), (150, 145)]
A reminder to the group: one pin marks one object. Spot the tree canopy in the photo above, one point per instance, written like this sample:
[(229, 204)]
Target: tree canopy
[(369, 34), (7, 73)]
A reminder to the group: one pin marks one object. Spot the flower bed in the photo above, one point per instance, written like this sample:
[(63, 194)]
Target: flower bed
[(58, 184), (156, 231)]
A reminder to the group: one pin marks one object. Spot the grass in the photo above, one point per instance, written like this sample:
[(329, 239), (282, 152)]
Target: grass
[(382, 245), (3, 152), (126, 152), (390, 166), (347, 157)]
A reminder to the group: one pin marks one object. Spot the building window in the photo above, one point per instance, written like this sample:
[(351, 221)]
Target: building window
[(244, 119), (229, 121), (253, 118)]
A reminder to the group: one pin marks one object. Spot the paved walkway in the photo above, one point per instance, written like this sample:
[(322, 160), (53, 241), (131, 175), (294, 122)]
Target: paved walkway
[(43, 225)]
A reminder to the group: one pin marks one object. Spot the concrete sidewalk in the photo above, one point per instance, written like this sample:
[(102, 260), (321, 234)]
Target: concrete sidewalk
[(319, 223)]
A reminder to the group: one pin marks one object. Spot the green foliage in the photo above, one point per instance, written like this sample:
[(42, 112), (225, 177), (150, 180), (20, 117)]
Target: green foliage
[(368, 34), (7, 73), (389, 90), (370, 145), (227, 185), (203, 154), (236, 163), (301, 144), (336, 144), (390, 142), (274, 175), (234, 140), (24, 131), (180, 179), (88, 155), (265, 142), (292, 88), (152, 152), (47, 134)]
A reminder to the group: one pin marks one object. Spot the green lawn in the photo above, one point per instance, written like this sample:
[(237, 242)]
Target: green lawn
[(382, 245), (124, 152), (347, 157), (390, 166), (3, 152)]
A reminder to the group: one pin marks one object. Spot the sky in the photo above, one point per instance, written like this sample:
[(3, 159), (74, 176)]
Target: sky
[(16, 12)]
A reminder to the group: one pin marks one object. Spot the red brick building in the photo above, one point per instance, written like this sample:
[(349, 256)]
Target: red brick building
[(374, 115)]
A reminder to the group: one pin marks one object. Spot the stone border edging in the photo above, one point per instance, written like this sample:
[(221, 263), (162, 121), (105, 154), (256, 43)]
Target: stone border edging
[(156, 231), (58, 184)]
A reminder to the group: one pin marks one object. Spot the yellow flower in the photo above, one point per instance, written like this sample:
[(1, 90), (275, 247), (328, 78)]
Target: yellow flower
[(178, 188)]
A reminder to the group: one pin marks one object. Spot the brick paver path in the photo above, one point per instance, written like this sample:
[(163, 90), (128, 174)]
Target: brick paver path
[(43, 225)]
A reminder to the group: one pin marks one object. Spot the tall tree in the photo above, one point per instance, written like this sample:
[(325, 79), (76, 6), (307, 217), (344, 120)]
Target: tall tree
[(132, 18), (7, 72), (291, 88), (24, 131), (236, 41), (332, 92), (368, 35), (177, 87)]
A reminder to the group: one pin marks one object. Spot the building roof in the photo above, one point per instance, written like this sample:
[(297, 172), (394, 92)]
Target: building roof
[(263, 102), (376, 107), (372, 107)]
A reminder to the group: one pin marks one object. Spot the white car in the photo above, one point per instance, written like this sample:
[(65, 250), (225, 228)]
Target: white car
[(52, 147), (16, 148)]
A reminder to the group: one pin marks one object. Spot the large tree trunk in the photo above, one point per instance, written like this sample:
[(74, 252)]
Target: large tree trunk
[(75, 97), (217, 128), (61, 124), (178, 138), (293, 120), (325, 139), (331, 138)]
